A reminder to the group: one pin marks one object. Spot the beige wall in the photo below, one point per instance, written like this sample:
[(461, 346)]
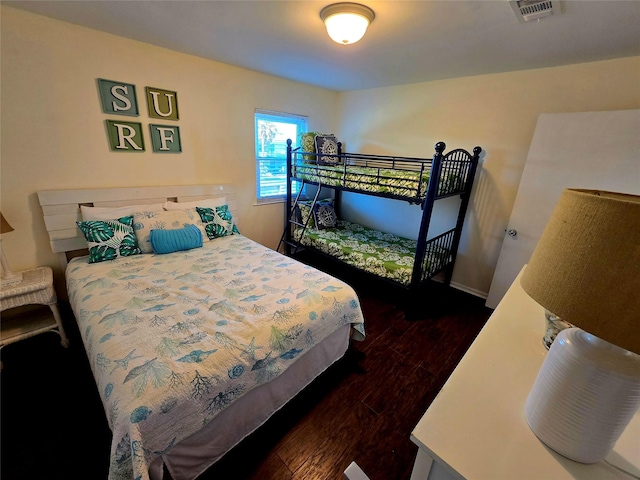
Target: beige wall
[(53, 134), (499, 113)]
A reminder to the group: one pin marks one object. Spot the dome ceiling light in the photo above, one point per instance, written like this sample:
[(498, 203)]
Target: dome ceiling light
[(346, 22)]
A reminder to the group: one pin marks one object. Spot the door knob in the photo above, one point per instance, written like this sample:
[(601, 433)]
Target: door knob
[(512, 232)]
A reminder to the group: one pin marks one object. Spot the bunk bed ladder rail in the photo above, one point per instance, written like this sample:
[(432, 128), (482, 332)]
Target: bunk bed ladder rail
[(291, 241), (291, 209)]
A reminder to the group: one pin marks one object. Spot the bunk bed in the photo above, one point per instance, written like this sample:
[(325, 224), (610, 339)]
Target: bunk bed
[(419, 181)]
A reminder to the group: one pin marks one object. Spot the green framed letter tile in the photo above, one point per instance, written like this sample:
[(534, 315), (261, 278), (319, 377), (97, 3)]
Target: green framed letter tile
[(125, 136), (162, 104), (118, 98), (165, 138)]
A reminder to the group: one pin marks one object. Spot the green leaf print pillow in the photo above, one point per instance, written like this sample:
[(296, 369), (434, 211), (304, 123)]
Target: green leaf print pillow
[(218, 221), (110, 239)]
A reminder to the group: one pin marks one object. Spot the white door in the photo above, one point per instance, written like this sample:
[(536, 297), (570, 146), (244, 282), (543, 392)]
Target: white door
[(596, 150)]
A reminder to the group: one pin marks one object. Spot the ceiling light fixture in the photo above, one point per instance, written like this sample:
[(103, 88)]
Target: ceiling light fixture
[(346, 22)]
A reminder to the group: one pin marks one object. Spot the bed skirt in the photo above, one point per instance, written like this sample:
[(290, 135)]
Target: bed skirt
[(192, 456)]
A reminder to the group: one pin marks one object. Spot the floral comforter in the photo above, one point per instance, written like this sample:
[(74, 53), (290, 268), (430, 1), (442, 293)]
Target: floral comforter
[(382, 254), (174, 339)]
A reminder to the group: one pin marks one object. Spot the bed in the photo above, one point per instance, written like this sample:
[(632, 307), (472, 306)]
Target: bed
[(194, 349), (314, 224)]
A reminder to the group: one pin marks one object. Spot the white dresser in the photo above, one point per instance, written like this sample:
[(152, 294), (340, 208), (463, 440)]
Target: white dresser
[(476, 429)]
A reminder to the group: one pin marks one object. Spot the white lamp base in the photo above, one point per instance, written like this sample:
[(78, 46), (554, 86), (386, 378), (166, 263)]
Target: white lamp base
[(8, 277), (585, 395)]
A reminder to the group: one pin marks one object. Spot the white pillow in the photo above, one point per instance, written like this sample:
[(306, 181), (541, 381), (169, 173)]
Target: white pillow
[(206, 203), (144, 222), (109, 213)]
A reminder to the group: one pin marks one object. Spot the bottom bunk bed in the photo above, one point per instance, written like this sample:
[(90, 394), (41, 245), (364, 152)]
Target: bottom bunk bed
[(194, 348), (382, 254)]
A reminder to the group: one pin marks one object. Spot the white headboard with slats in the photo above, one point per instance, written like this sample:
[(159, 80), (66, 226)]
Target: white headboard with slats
[(61, 208)]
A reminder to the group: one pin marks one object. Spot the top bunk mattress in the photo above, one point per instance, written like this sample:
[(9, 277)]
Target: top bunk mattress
[(385, 181), (173, 339)]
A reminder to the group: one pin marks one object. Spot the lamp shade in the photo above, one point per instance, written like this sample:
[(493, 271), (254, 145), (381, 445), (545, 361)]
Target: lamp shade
[(346, 22), (4, 225), (586, 266)]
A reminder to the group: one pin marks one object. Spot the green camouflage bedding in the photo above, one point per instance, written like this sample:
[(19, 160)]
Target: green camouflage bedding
[(383, 254), (405, 183)]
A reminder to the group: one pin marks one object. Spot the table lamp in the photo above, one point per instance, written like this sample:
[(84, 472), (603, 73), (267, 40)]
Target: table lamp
[(8, 277), (586, 270)]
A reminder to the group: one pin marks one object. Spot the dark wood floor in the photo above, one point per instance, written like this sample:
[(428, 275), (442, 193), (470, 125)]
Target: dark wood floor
[(362, 409)]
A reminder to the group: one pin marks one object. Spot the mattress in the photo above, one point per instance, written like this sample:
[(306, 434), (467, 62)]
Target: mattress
[(175, 341), (393, 182)]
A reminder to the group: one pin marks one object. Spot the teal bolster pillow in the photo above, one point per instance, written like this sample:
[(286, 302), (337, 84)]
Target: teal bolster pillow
[(168, 241)]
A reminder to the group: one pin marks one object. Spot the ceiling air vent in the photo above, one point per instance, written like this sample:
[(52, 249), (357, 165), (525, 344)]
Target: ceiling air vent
[(528, 10)]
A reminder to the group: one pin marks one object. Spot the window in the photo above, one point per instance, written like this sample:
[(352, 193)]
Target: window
[(272, 131)]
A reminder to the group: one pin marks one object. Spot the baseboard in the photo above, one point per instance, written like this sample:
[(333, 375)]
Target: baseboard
[(472, 291), (463, 288)]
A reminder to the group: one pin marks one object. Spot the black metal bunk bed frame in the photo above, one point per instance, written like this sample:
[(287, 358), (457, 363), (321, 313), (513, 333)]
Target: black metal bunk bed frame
[(457, 168)]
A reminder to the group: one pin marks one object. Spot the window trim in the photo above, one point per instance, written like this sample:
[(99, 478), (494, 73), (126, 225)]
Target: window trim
[(302, 125)]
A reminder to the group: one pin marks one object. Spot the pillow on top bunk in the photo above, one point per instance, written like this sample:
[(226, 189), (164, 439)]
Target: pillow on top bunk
[(145, 222), (327, 149), (324, 215), (218, 221), (307, 143), (110, 239)]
